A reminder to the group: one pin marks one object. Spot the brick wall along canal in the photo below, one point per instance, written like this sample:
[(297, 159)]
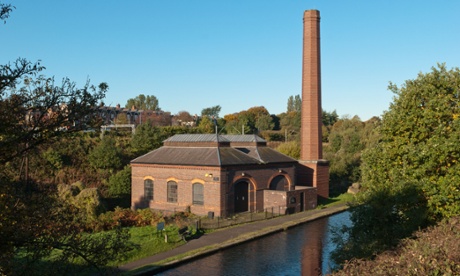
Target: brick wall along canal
[(302, 250)]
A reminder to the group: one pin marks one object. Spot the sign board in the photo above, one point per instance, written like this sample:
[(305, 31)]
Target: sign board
[(160, 226)]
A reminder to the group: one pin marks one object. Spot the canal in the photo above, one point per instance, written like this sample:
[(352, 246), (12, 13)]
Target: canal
[(301, 250)]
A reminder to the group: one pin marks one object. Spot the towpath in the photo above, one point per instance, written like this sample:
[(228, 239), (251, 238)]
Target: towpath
[(220, 239)]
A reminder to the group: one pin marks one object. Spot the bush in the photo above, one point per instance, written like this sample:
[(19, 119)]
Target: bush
[(435, 251), (121, 217)]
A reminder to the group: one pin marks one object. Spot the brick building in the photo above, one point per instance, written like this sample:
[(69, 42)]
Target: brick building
[(224, 174), (227, 174)]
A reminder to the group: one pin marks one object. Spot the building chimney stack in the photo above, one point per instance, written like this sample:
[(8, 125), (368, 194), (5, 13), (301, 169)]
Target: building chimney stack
[(314, 171)]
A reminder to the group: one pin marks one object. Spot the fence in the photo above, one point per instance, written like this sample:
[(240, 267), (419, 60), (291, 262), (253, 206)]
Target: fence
[(214, 223)]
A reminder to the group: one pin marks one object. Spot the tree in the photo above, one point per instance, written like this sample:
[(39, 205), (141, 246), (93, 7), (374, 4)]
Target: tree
[(420, 140), (121, 119), (411, 175), (106, 155), (120, 183), (5, 10), (297, 103), (211, 111), (145, 139), (33, 219), (143, 102), (207, 125), (291, 148), (264, 122), (41, 110), (294, 104), (329, 118), (344, 153), (290, 104)]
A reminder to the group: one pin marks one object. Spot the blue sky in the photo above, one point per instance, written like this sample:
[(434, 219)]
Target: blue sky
[(193, 54)]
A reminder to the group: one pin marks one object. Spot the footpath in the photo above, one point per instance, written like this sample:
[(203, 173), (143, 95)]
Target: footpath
[(223, 238)]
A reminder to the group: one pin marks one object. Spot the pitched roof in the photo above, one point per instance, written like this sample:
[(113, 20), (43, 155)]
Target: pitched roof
[(205, 156), (213, 150)]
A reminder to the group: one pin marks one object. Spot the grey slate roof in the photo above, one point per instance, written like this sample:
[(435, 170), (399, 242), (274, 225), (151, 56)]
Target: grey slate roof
[(244, 138), (190, 138), (184, 153)]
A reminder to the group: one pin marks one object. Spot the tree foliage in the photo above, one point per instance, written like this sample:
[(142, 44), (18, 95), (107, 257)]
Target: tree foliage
[(346, 143), (106, 155), (420, 140), (207, 125), (411, 173), (294, 103), (120, 183), (212, 111), (5, 10), (145, 139), (291, 148), (41, 110), (149, 102)]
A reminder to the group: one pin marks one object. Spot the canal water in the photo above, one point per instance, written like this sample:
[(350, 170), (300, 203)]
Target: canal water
[(301, 250)]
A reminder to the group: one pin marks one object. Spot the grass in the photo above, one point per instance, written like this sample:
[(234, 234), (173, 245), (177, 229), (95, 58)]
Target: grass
[(342, 198), (151, 242)]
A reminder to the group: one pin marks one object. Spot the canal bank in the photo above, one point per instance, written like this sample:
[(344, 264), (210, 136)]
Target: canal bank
[(218, 240)]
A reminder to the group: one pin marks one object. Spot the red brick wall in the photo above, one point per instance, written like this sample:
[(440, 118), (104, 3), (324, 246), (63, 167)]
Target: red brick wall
[(314, 174), (218, 189), (185, 177)]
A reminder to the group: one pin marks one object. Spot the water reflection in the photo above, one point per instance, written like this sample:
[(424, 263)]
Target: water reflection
[(302, 250)]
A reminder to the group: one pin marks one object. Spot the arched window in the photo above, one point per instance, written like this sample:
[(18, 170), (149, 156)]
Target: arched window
[(172, 191), (279, 183), (148, 189), (198, 191)]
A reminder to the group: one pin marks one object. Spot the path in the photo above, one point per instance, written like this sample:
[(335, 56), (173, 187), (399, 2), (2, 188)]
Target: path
[(223, 238)]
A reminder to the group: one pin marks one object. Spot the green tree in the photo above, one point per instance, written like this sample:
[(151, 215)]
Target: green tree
[(146, 138), (291, 148), (297, 103), (120, 183), (212, 111), (41, 110), (294, 104), (106, 155), (149, 102), (35, 112), (207, 125), (290, 104), (290, 121), (420, 140), (344, 153), (264, 122), (329, 118), (411, 175)]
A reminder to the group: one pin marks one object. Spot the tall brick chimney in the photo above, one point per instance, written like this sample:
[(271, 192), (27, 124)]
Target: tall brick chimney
[(313, 170)]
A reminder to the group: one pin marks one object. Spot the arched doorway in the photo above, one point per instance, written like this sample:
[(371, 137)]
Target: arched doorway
[(241, 195), (279, 183)]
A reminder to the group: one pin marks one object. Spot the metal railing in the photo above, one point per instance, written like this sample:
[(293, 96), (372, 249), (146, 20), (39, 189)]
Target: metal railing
[(239, 218)]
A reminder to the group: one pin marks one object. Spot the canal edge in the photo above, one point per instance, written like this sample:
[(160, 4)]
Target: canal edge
[(187, 256)]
